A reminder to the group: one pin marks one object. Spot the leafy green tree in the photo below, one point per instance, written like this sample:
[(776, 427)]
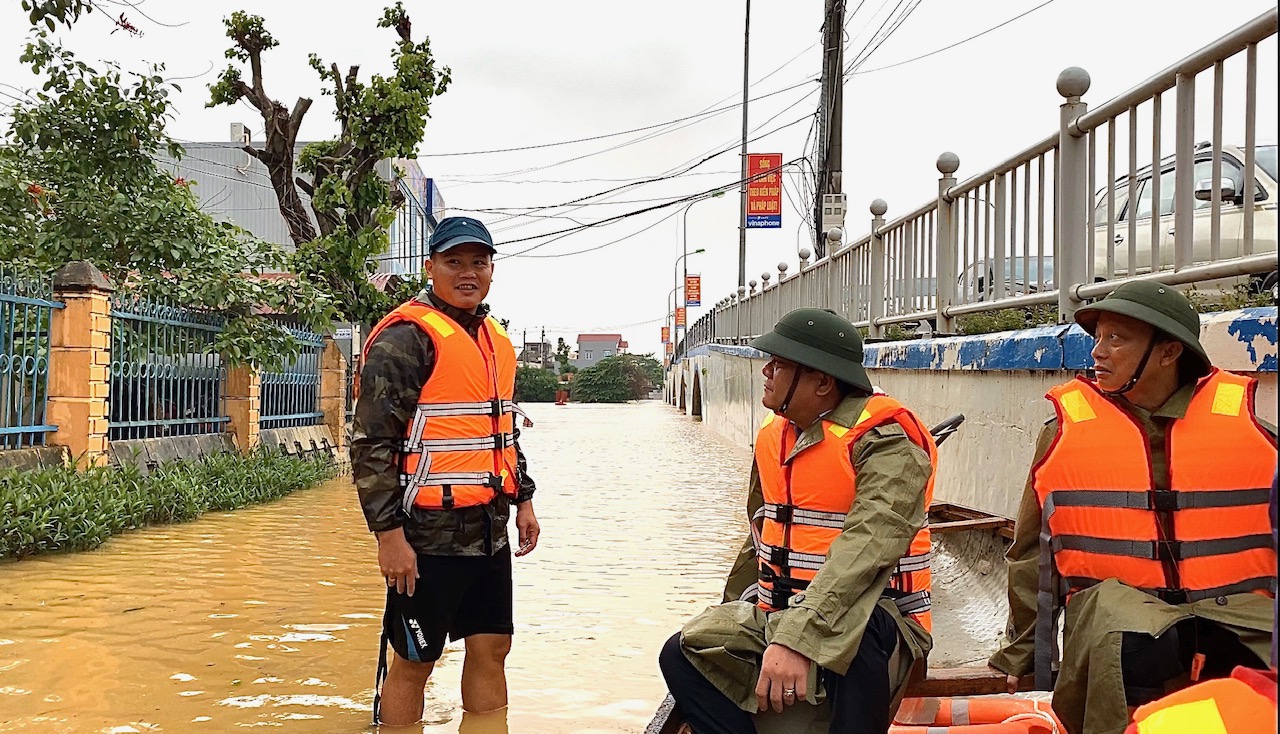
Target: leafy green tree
[(52, 12), (617, 379), (352, 204), (562, 354), (78, 170), (535, 385)]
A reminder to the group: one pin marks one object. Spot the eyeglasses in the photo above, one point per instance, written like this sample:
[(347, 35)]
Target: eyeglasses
[(775, 364)]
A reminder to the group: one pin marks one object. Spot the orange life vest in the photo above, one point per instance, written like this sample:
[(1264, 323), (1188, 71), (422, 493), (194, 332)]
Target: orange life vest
[(1245, 703), (1097, 494), (459, 447), (807, 499)]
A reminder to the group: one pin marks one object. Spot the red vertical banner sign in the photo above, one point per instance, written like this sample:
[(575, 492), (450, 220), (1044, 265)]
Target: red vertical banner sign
[(764, 191), (666, 335), (671, 348), (693, 290), (680, 317)]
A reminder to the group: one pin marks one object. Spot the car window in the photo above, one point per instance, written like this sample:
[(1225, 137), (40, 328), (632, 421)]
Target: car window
[(1144, 201), (1166, 193), (1265, 156), (1100, 212), (1204, 172)]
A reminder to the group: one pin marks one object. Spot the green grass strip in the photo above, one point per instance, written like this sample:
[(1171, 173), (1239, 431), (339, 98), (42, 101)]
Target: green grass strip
[(62, 509)]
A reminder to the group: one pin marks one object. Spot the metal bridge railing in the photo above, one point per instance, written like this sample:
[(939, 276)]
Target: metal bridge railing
[(1068, 219), (291, 396), (26, 314), (166, 379)]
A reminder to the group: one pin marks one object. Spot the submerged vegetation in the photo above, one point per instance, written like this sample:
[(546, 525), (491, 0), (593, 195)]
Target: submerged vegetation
[(62, 509)]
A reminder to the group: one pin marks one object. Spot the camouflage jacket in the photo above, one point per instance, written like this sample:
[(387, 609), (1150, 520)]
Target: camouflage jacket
[(396, 366)]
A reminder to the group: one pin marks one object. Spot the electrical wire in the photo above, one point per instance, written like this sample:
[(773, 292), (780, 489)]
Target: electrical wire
[(669, 174), (617, 218), (957, 43), (709, 110)]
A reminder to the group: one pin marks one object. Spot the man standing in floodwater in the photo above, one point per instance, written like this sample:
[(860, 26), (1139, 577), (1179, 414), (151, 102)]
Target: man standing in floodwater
[(436, 463)]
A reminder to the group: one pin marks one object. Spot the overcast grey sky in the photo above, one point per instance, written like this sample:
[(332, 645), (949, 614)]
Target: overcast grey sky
[(532, 73)]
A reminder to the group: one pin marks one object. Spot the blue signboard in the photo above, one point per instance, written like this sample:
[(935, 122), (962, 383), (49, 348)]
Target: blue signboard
[(764, 221)]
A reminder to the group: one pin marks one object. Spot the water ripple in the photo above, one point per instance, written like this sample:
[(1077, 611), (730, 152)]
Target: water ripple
[(641, 512)]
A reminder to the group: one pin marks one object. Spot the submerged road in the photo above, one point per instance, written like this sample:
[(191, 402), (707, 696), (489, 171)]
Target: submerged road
[(270, 616)]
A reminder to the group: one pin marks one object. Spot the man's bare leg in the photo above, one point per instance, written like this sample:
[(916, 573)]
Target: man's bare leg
[(402, 691), (484, 675), (493, 722)]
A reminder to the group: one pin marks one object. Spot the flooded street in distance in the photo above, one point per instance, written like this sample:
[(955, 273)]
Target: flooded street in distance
[(270, 616)]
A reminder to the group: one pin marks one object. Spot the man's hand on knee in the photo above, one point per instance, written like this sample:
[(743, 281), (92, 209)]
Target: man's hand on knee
[(784, 678)]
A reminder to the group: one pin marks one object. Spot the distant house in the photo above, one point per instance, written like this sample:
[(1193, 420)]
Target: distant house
[(594, 347), (537, 355)]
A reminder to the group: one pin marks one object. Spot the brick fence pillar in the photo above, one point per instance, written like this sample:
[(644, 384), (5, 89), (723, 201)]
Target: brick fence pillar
[(79, 363), (333, 391), (244, 392)]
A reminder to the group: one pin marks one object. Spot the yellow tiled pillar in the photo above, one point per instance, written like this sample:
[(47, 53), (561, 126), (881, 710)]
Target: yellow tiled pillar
[(244, 391), (79, 363), (333, 391)]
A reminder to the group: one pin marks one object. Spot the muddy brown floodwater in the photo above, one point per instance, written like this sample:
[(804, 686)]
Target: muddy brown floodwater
[(269, 616)]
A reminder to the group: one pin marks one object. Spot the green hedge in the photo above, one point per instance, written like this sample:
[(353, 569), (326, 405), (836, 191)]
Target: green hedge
[(535, 385), (59, 508)]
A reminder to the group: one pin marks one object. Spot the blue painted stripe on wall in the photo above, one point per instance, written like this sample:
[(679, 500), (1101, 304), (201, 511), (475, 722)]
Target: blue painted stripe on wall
[(1042, 348), (1254, 323), (1054, 348)]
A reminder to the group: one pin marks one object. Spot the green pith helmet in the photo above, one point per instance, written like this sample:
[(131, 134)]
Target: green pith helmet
[(819, 339), (1158, 305)]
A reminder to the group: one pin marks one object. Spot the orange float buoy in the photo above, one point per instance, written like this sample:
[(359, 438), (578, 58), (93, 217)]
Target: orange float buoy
[(979, 715)]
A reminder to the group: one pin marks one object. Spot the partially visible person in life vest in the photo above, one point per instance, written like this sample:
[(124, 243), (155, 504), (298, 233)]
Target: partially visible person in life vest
[(1146, 516), (827, 606), (435, 459), (1245, 703)]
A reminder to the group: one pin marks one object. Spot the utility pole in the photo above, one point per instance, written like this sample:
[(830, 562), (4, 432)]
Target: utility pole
[(746, 86), (542, 349), (832, 116)]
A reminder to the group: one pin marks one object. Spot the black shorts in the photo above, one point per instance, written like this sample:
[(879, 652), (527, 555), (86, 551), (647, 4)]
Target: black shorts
[(455, 597)]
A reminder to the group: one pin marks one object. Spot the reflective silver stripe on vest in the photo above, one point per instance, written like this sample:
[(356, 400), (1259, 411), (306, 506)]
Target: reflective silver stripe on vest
[(414, 443), (808, 561), (751, 593), (461, 409), (959, 711), (916, 603), (801, 516), (454, 478), (1149, 550), (909, 564), (1181, 500), (765, 595), (411, 484), (484, 443)]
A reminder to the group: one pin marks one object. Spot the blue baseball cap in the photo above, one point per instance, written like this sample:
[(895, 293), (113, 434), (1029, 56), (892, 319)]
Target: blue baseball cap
[(454, 231)]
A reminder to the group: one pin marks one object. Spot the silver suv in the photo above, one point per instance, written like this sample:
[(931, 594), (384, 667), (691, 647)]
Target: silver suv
[(1261, 195)]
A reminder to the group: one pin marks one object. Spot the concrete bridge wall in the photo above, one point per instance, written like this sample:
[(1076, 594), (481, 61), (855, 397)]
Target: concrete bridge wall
[(997, 381)]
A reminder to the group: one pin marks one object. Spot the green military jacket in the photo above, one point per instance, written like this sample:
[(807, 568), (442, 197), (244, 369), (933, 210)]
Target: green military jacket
[(827, 621), (1089, 691)]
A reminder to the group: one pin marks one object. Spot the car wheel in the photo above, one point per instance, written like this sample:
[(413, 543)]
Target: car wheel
[(1269, 285)]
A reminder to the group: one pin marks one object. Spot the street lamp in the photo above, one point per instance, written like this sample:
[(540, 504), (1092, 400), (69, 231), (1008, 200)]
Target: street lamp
[(684, 245), (676, 287)]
